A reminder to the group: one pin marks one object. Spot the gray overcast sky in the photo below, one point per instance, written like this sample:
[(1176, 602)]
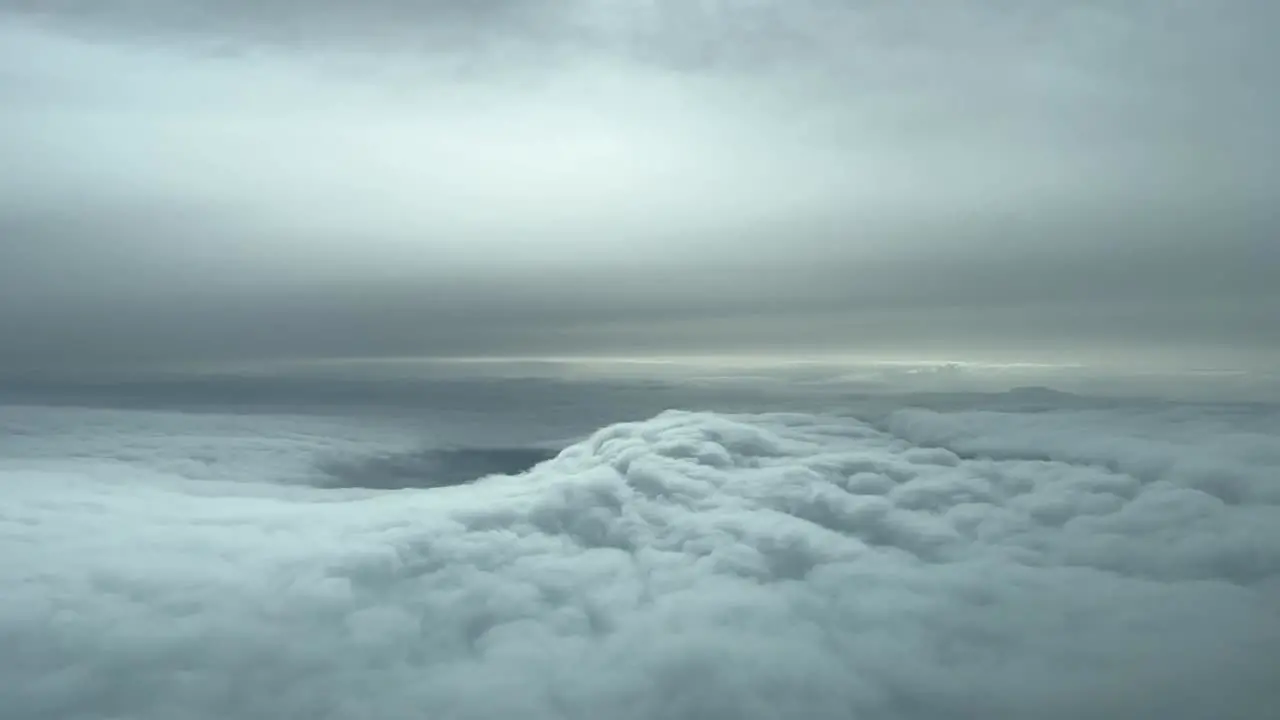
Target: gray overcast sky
[(193, 180)]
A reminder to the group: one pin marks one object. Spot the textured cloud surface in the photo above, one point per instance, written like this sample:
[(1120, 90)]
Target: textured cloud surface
[(1114, 563)]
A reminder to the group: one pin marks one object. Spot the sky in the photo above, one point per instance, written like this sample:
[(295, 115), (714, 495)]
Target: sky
[(678, 359), (198, 182)]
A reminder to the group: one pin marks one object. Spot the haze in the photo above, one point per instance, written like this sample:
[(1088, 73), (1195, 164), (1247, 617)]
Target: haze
[(196, 182), (639, 360)]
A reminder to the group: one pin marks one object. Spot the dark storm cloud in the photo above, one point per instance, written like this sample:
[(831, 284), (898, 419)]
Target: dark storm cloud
[(195, 181)]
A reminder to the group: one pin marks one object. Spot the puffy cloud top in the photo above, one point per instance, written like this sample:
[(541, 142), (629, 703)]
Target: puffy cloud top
[(1112, 563)]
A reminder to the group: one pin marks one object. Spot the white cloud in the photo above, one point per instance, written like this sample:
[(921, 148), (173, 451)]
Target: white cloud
[(1074, 563)]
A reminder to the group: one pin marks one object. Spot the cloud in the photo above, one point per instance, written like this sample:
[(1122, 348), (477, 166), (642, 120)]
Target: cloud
[(1084, 562), (1075, 180), (434, 24), (434, 468)]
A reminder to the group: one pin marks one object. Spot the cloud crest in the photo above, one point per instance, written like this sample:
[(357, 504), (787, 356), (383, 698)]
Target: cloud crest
[(1061, 563)]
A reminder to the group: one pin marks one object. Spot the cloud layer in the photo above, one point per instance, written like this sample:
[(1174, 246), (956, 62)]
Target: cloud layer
[(199, 181), (1104, 563)]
